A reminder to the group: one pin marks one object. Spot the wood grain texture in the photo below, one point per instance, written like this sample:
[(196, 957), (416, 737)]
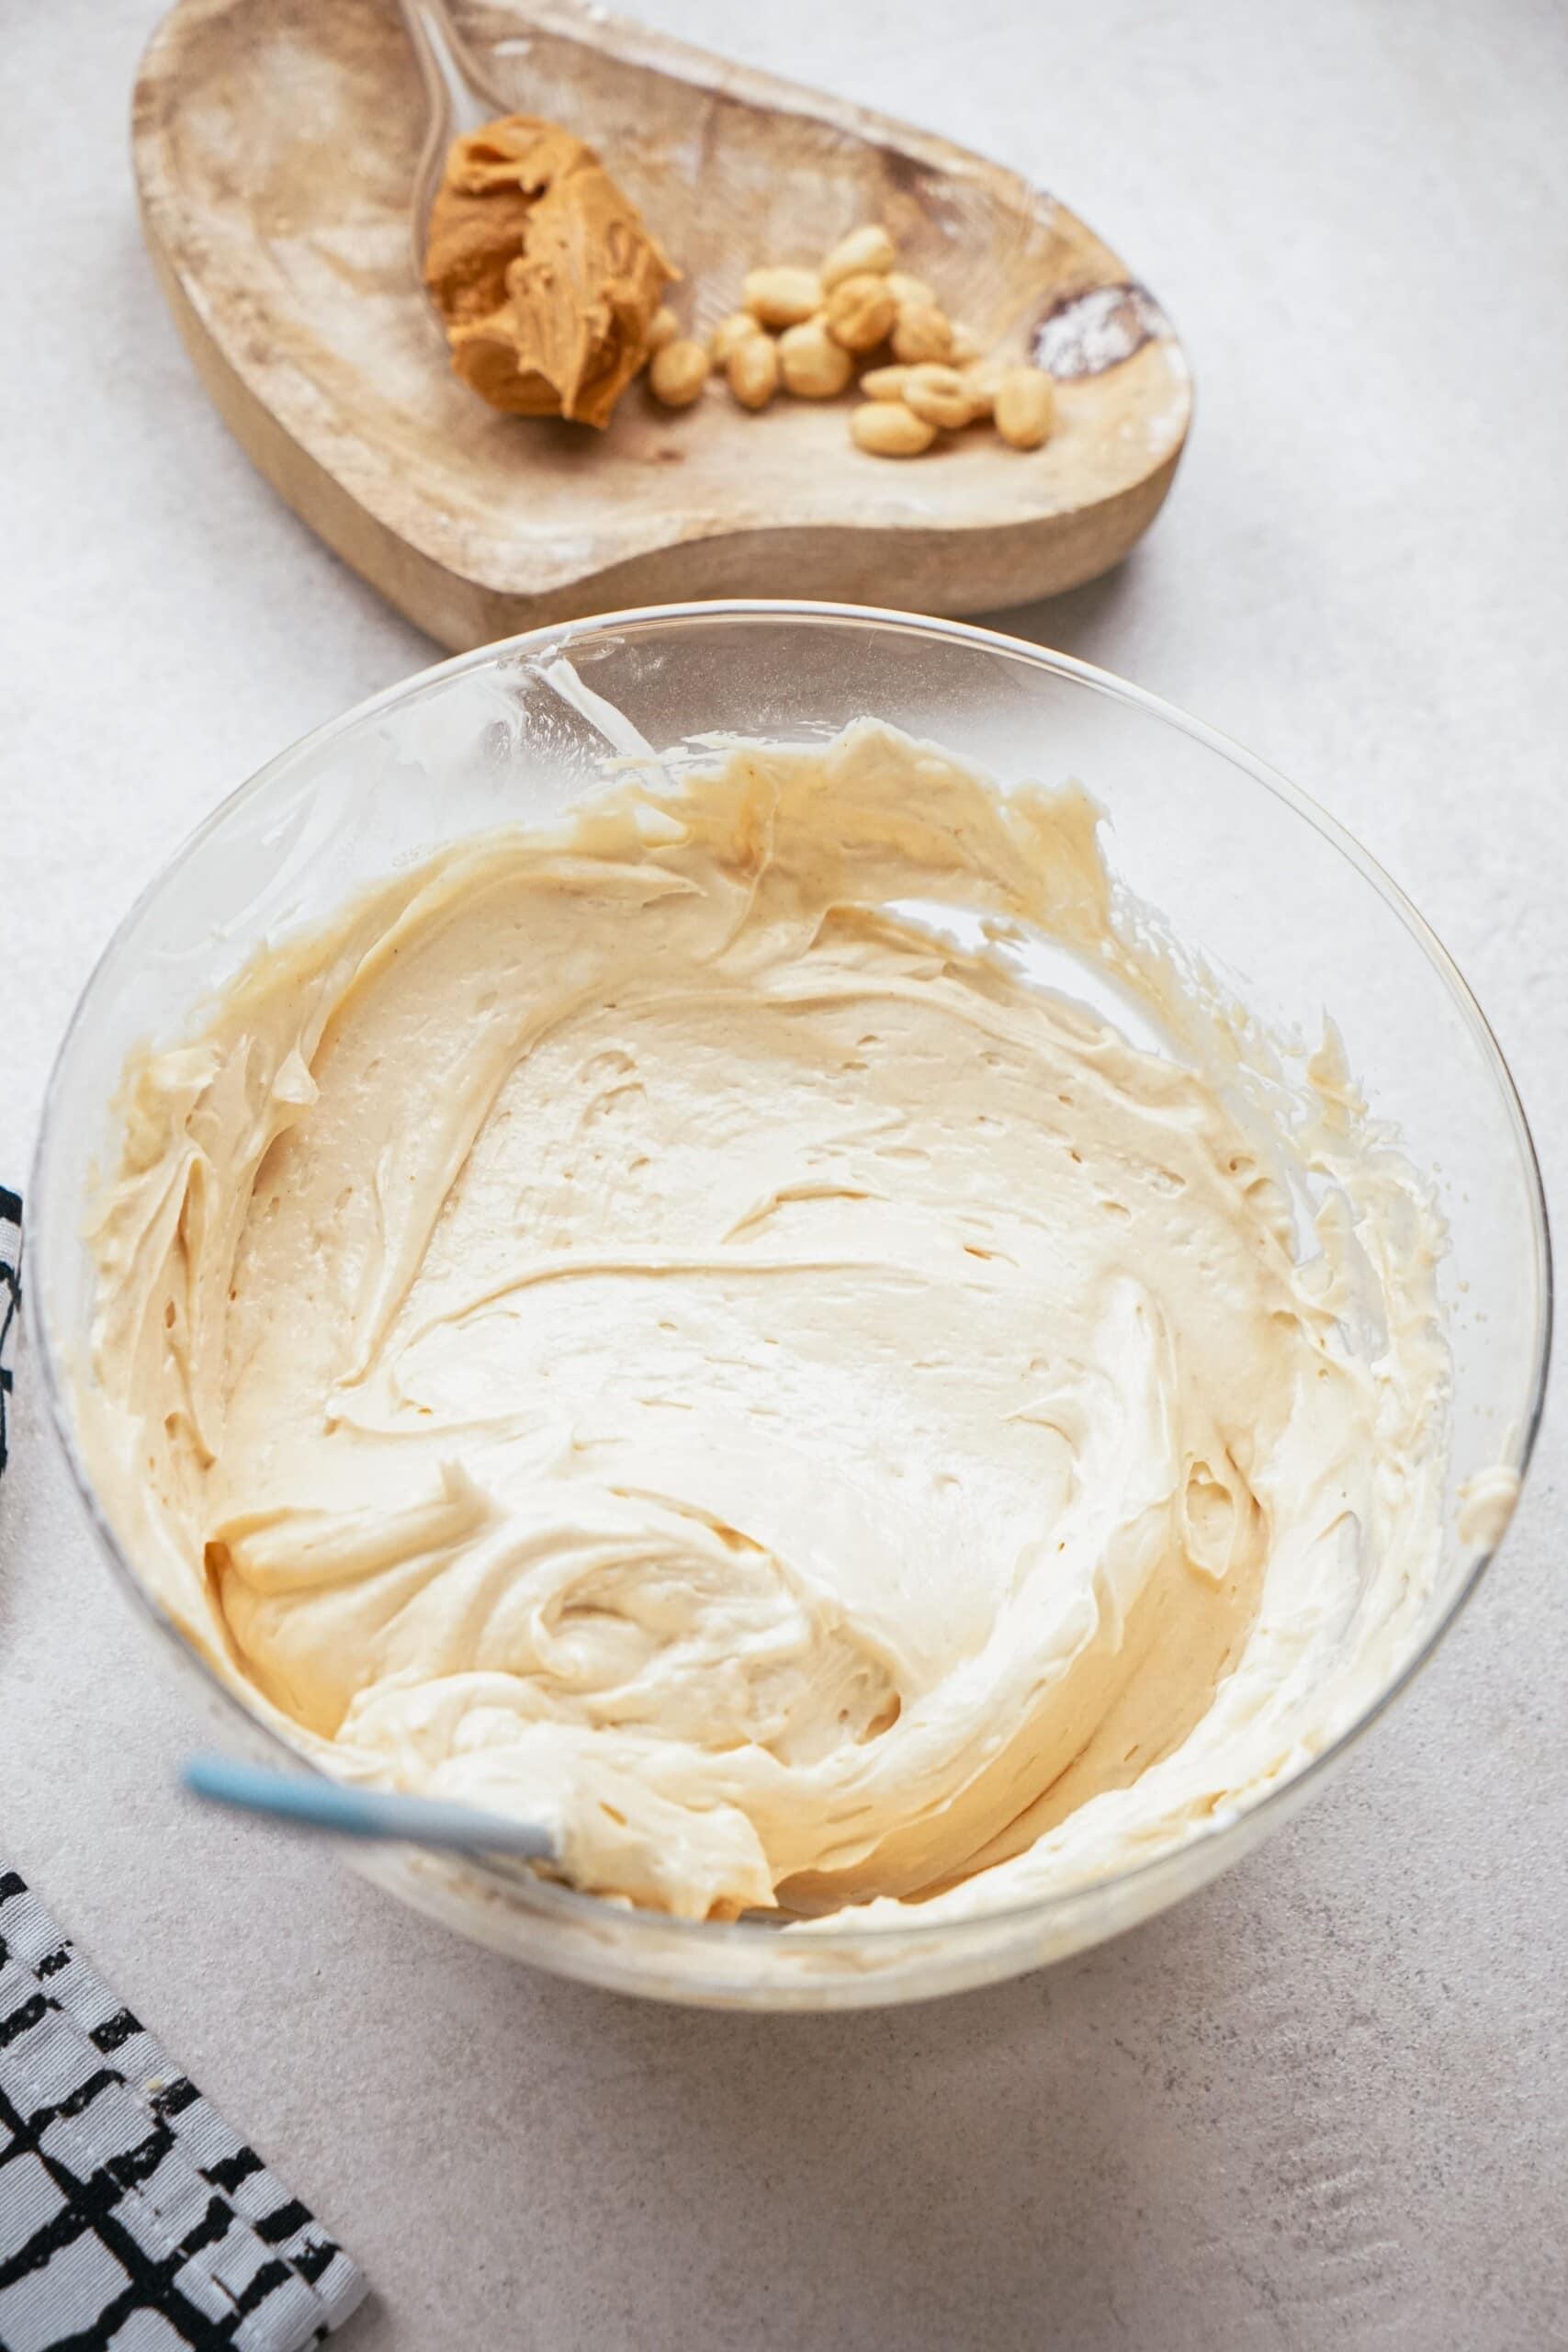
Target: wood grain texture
[(274, 145)]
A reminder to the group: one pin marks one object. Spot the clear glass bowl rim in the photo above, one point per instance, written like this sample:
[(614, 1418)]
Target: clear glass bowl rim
[(541, 1897)]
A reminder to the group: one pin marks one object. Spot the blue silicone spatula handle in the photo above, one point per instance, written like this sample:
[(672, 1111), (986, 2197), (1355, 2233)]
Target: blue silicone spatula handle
[(338, 1812)]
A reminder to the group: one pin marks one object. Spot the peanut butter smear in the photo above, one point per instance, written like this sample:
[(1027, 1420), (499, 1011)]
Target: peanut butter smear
[(543, 270), (670, 1325)]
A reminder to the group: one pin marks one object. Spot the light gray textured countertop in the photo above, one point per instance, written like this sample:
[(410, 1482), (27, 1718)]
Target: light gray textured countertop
[(1327, 2101)]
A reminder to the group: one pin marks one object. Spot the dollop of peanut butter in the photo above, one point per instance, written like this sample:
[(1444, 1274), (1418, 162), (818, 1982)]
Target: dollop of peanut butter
[(544, 271)]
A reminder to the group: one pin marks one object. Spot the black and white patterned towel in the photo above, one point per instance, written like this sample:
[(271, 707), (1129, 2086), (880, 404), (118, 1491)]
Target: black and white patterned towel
[(10, 1297), (131, 2217)]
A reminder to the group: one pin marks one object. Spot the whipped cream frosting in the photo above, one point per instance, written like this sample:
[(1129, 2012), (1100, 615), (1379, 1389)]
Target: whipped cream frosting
[(666, 1325)]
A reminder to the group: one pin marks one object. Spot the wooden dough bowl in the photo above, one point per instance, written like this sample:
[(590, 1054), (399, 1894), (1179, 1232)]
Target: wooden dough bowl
[(276, 143)]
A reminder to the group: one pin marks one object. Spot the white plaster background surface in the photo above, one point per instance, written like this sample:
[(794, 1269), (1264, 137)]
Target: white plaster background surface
[(1325, 2103)]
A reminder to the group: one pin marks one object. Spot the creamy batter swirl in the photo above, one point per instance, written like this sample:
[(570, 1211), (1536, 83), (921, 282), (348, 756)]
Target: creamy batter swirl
[(640, 1326)]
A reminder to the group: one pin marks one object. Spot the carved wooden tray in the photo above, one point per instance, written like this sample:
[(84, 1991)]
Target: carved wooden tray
[(275, 146)]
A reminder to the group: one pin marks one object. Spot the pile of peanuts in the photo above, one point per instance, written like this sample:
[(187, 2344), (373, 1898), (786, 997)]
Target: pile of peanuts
[(808, 331)]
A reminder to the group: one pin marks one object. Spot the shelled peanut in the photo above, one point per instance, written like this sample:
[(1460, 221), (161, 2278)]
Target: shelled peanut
[(677, 373), (889, 429), (1024, 407), (809, 331), (943, 396), (813, 365), (751, 370)]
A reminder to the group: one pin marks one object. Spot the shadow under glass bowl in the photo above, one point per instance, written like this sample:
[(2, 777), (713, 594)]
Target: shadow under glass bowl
[(1251, 876)]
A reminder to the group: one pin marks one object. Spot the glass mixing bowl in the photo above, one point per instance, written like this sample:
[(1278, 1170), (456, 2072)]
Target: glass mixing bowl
[(1279, 900)]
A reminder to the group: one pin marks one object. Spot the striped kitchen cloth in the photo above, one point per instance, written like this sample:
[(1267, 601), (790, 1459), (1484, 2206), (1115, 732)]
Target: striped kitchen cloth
[(131, 2218), (10, 1297)]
